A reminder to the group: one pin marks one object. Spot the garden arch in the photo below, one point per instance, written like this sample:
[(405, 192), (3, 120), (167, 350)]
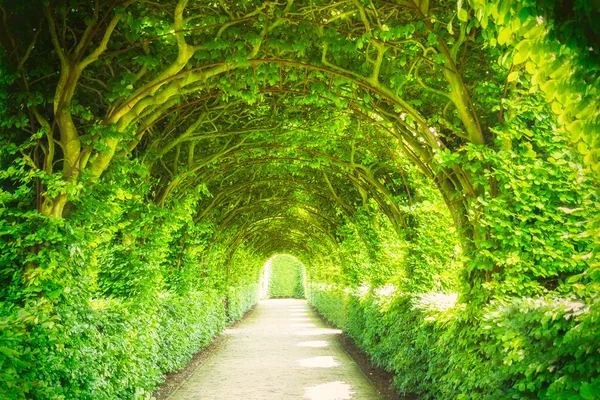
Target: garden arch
[(343, 132)]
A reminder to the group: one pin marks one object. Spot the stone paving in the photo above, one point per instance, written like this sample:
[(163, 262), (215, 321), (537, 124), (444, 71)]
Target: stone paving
[(280, 351)]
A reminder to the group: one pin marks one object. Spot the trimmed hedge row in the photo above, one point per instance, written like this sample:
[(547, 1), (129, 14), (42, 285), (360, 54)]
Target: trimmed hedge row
[(287, 277), (331, 302), (110, 349), (240, 299), (521, 348)]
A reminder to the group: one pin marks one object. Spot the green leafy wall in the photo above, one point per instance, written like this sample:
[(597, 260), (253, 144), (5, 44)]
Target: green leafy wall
[(286, 277), (122, 293), (520, 348), (109, 348)]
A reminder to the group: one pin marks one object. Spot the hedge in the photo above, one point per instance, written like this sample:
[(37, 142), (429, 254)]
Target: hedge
[(519, 348), (287, 277), (110, 348)]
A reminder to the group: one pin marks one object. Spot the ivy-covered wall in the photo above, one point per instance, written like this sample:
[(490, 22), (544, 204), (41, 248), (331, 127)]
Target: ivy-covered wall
[(286, 277)]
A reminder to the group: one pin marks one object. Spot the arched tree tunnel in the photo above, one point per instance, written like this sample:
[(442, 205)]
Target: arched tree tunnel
[(433, 164)]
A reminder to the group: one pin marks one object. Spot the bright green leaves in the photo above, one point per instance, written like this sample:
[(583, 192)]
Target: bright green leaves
[(516, 348), (388, 34), (588, 391), (148, 61), (529, 238), (512, 76), (450, 28), (505, 35), (521, 52), (121, 87), (237, 140), (553, 54), (549, 61), (16, 121)]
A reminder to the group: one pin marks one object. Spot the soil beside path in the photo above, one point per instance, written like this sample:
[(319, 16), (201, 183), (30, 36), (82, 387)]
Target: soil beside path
[(282, 350)]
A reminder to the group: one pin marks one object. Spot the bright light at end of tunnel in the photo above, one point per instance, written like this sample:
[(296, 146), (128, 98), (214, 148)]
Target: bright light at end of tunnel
[(329, 391)]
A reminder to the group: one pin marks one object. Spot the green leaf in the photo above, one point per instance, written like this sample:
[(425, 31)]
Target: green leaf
[(513, 76), (530, 67), (583, 148), (557, 108), (521, 52), (504, 36), (589, 391), (575, 130), (463, 15)]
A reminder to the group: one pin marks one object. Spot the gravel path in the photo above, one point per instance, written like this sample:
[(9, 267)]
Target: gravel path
[(281, 351)]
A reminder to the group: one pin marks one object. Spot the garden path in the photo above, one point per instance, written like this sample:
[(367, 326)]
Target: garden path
[(281, 351)]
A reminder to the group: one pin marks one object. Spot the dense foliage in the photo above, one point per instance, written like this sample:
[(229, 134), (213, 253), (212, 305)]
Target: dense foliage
[(286, 277), (521, 348), (433, 165), (117, 295)]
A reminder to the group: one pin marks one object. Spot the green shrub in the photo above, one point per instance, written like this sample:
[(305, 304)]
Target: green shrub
[(239, 300), (188, 323), (110, 348), (519, 348), (330, 301)]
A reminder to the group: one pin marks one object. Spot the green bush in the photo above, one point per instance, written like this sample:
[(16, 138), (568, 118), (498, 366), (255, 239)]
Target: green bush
[(330, 301), (287, 277), (111, 348), (187, 324), (239, 300), (519, 348)]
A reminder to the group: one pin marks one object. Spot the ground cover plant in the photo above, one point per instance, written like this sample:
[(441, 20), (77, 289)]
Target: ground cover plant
[(432, 163)]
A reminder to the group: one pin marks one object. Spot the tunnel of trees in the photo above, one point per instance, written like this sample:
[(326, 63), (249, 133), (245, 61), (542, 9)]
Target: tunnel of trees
[(433, 165)]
